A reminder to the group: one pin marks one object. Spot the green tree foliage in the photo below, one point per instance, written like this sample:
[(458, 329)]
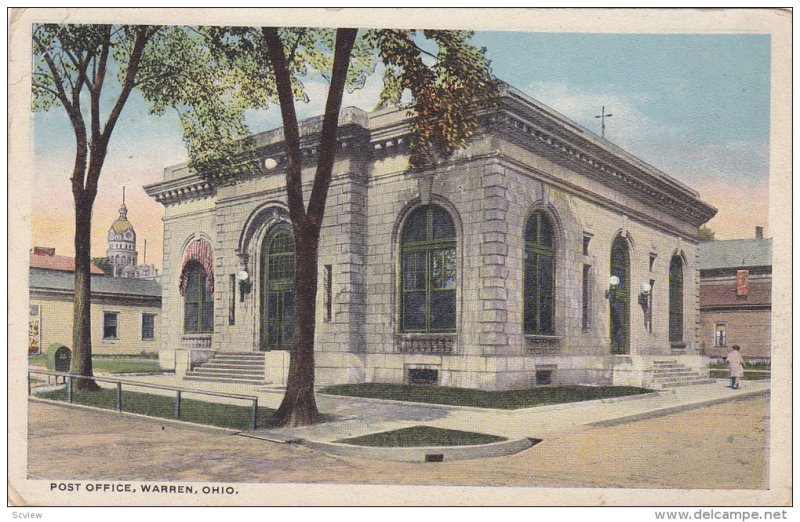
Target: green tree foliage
[(445, 88), (89, 71), (103, 264), (705, 234)]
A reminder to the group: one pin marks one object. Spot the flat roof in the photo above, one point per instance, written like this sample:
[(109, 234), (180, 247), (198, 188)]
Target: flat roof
[(42, 279)]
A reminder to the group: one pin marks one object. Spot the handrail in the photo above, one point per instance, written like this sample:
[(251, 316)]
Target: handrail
[(143, 384), (119, 382)]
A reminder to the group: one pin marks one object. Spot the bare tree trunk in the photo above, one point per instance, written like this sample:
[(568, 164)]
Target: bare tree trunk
[(82, 326)]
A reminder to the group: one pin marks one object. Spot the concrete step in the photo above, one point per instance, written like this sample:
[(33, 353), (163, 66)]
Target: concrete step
[(676, 371), (223, 379), (232, 366), (226, 371), (687, 383), (238, 359)]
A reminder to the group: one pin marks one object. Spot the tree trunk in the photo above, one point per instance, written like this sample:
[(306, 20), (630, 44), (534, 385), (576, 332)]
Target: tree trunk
[(82, 326), (299, 406)]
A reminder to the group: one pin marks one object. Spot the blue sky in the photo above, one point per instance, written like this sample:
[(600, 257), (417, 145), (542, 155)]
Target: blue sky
[(695, 106)]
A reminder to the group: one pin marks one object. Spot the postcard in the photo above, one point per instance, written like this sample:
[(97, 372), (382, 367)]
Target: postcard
[(400, 257)]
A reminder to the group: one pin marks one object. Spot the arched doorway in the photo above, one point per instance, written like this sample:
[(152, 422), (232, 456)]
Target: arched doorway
[(619, 298), (277, 289)]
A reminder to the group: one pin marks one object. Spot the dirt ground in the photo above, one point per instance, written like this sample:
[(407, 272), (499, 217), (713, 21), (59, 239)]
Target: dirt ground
[(721, 446)]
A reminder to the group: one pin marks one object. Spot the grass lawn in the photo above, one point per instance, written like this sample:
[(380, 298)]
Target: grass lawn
[(748, 375), (507, 400), (111, 364), (192, 410), (422, 436)]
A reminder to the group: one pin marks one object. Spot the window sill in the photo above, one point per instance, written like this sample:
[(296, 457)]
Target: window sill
[(199, 341), (435, 343), (536, 343)]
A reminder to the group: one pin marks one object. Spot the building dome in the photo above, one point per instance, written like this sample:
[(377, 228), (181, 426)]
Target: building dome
[(122, 224), (121, 250)]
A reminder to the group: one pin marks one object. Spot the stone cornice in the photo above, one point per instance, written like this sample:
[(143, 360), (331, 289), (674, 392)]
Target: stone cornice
[(180, 189), (520, 120), (543, 131)]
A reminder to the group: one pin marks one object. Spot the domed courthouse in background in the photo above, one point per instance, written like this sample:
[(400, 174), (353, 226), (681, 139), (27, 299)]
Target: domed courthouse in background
[(121, 252), (541, 253)]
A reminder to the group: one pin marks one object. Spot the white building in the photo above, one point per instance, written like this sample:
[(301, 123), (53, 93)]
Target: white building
[(492, 271)]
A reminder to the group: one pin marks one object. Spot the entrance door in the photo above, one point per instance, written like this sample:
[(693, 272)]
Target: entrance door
[(277, 289), (619, 298)]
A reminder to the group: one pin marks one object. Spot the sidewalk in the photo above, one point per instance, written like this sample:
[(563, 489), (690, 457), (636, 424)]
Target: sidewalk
[(356, 417)]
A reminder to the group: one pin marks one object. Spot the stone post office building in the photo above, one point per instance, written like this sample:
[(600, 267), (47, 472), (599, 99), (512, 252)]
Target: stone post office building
[(539, 254)]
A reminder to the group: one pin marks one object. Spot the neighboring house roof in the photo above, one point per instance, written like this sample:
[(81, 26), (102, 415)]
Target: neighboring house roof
[(61, 263), (60, 281), (734, 253)]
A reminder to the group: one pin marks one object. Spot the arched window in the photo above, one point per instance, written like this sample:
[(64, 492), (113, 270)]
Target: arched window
[(428, 271), (619, 297), (539, 285), (198, 301), (278, 289), (676, 299)]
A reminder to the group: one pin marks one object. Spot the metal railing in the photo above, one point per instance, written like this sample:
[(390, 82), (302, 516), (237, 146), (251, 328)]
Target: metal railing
[(70, 378)]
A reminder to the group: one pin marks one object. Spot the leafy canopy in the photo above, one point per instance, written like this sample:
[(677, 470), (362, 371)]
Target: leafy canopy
[(446, 87)]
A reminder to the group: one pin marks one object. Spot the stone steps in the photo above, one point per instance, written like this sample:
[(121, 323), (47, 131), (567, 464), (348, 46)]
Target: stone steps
[(228, 379), (669, 373), (233, 368)]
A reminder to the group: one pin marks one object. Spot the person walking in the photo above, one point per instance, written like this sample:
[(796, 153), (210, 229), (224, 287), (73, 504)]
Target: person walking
[(735, 366)]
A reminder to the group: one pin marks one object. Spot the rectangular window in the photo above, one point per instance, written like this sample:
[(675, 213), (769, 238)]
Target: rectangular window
[(34, 329), (650, 306), (148, 327), (327, 297), (719, 335), (110, 325), (587, 297), (586, 239), (232, 300)]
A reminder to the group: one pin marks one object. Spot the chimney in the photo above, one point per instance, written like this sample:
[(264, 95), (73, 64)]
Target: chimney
[(44, 251), (759, 232)]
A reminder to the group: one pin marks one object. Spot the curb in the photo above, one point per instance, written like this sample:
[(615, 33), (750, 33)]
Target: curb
[(679, 408), (424, 453)]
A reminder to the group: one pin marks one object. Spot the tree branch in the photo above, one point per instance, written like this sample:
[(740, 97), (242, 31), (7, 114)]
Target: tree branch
[(100, 147), (54, 74), (345, 38), (99, 78), (291, 131), (142, 37)]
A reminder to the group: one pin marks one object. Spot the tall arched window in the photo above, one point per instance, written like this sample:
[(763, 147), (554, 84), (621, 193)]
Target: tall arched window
[(619, 297), (277, 289), (428, 268), (539, 286), (198, 301), (676, 299)]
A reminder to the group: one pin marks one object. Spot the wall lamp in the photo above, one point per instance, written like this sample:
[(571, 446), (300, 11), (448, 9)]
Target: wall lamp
[(244, 283), (613, 283), (644, 293)]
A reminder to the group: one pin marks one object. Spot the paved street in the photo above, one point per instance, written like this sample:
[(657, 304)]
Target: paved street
[(719, 446)]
